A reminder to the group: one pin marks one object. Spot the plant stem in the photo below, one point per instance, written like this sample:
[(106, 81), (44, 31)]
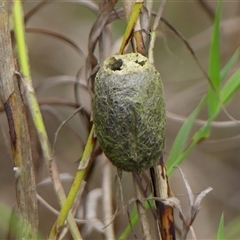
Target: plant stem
[(36, 112), (11, 98)]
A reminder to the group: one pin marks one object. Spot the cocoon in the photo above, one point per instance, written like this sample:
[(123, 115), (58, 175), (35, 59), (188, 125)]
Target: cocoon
[(129, 112)]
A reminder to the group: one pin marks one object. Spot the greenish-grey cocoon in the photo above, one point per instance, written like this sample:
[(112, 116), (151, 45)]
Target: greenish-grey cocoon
[(129, 112)]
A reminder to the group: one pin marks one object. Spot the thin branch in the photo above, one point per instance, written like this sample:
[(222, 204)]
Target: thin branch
[(60, 127), (201, 68), (141, 208), (29, 14), (107, 199), (210, 12), (82, 170), (95, 32), (154, 30), (58, 36), (96, 223)]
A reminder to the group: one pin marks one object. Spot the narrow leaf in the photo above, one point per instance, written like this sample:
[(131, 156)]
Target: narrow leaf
[(202, 134), (232, 231), (182, 137), (230, 88), (215, 65), (225, 71), (131, 25), (220, 235)]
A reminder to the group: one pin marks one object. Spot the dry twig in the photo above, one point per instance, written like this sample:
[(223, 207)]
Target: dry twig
[(141, 208)]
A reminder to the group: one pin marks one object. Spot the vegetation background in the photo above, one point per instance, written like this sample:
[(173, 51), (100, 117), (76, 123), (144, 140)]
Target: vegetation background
[(54, 65)]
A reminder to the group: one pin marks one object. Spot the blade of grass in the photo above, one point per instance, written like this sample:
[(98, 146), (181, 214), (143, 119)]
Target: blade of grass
[(221, 235), (230, 88), (226, 69), (215, 65), (131, 24), (13, 228), (203, 133), (182, 137), (232, 230), (213, 99), (228, 91)]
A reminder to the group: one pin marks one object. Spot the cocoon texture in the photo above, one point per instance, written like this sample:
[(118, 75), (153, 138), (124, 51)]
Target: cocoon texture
[(129, 112)]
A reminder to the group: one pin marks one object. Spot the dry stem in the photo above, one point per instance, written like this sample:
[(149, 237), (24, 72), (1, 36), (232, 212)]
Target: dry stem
[(19, 136), (141, 208)]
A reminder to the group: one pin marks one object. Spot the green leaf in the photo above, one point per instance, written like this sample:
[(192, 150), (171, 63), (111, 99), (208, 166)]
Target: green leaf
[(131, 24), (176, 155), (232, 231), (220, 235), (202, 134), (230, 88), (215, 65), (225, 71), (182, 137), (15, 225)]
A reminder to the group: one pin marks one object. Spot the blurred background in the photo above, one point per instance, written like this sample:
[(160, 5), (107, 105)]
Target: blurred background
[(55, 64)]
